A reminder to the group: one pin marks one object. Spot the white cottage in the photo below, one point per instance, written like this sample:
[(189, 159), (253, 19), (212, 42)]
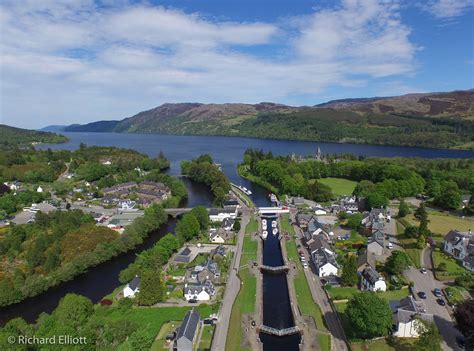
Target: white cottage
[(407, 314), (132, 288), (325, 262), (371, 280)]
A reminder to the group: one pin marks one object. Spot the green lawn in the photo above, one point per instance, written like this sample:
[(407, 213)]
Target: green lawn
[(454, 295), (453, 270), (244, 173), (285, 224), (160, 342), (152, 319), (206, 338), (292, 252), (442, 223), (305, 300), (245, 301), (339, 186), (252, 226), (345, 293), (395, 344)]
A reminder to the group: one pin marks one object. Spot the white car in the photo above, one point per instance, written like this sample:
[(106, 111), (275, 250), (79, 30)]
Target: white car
[(305, 265), (303, 259), (390, 245)]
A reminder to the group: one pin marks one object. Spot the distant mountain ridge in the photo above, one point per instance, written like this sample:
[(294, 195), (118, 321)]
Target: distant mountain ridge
[(422, 119)]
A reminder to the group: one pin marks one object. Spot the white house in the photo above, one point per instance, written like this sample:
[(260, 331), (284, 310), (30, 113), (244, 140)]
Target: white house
[(199, 292), (219, 214), (371, 280), (215, 237), (325, 262), (39, 189), (460, 245), (407, 314), (132, 288), (127, 205), (320, 212)]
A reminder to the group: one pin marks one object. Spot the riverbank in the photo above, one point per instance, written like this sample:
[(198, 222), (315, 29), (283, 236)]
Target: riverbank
[(243, 171)]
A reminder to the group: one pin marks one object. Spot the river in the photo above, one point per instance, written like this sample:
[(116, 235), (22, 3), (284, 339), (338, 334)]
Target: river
[(103, 279)]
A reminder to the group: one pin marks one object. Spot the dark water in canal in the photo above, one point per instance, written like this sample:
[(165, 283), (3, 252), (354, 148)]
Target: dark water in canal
[(277, 311)]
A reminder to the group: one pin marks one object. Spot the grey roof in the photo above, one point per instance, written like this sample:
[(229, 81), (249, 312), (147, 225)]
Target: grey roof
[(407, 309), (134, 283), (469, 259), (216, 211), (371, 275), (189, 325), (317, 242), (228, 222), (365, 258), (455, 236), (378, 237), (321, 257), (231, 203)]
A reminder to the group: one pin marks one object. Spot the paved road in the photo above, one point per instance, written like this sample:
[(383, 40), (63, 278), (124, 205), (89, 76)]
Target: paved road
[(427, 283), (338, 340), (231, 291)]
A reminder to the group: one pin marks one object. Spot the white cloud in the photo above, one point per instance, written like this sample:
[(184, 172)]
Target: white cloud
[(75, 61), (446, 9)]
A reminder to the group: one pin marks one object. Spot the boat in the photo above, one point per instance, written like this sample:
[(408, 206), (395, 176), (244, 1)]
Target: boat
[(264, 234), (274, 224), (264, 221), (273, 197), (245, 190), (264, 226), (275, 231)]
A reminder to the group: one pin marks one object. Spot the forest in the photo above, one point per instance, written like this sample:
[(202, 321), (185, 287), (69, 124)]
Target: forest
[(379, 179), (203, 170), (61, 245)]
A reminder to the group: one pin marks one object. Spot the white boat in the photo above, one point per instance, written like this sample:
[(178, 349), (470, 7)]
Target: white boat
[(275, 231), (264, 227), (249, 192), (264, 234), (274, 224), (264, 221)]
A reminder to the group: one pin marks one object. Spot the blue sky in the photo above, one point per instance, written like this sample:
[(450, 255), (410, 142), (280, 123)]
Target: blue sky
[(79, 61)]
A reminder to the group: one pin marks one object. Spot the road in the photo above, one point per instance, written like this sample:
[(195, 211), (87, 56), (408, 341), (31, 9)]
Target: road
[(338, 339), (231, 290), (427, 283)]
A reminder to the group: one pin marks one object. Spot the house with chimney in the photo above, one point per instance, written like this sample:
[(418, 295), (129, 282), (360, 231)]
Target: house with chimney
[(371, 280), (407, 316)]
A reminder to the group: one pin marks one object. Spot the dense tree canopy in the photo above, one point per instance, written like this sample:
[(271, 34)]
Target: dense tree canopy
[(397, 262), (370, 315), (464, 315)]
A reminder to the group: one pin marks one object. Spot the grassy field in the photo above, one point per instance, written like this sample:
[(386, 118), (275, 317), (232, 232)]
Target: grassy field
[(160, 342), (305, 300), (206, 338), (245, 301), (442, 223), (453, 268), (345, 293), (409, 245), (152, 319), (339, 186), (285, 224), (454, 295), (252, 226)]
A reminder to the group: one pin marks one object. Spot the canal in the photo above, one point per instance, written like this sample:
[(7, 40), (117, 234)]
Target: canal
[(277, 311)]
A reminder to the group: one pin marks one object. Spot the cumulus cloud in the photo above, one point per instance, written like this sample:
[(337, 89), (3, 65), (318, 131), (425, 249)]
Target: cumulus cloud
[(80, 62)]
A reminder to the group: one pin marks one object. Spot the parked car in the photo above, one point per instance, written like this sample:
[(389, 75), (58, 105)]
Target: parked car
[(424, 270), (305, 265), (441, 302), (302, 259), (437, 292), (422, 295), (390, 245)]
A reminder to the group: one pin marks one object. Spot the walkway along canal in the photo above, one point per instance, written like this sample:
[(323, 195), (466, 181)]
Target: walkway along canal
[(278, 331)]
